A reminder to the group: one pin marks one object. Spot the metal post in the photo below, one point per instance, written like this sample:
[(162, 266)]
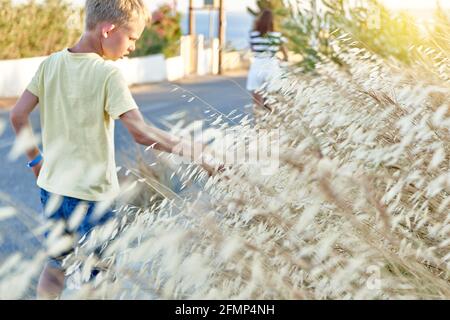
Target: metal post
[(222, 23), (191, 18)]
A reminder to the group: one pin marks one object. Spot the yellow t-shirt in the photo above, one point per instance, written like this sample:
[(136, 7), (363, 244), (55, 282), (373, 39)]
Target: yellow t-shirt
[(80, 96)]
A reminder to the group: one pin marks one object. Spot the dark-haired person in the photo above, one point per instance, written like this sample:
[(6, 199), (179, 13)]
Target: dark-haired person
[(265, 43)]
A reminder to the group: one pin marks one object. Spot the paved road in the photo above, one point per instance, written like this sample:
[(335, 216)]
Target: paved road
[(17, 183)]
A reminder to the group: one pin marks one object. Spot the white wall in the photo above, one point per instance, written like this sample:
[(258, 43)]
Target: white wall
[(175, 68), (143, 69), (15, 75)]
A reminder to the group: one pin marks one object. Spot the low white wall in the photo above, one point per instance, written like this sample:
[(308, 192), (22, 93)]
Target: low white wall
[(15, 75), (174, 68), (143, 69), (202, 59)]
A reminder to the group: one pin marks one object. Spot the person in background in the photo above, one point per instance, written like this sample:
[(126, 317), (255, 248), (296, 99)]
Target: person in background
[(265, 43)]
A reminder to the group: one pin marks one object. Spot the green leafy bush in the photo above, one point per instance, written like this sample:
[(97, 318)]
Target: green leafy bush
[(37, 29), (162, 34), (34, 29), (369, 25), (439, 36)]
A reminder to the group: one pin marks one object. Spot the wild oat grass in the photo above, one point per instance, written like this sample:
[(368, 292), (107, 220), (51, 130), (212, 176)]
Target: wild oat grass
[(358, 207)]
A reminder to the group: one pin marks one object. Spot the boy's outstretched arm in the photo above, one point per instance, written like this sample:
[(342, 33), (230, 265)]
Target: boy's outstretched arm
[(161, 140), (19, 118)]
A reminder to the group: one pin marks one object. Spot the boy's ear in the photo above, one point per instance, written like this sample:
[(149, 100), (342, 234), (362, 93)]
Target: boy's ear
[(106, 28)]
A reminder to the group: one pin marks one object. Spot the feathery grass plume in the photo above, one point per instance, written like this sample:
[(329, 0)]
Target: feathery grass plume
[(358, 207), (7, 212), (24, 141), (16, 275)]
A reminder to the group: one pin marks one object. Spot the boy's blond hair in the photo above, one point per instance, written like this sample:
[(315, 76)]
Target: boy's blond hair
[(118, 12)]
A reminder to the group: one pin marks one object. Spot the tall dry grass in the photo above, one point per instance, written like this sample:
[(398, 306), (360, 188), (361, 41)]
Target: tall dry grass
[(357, 209)]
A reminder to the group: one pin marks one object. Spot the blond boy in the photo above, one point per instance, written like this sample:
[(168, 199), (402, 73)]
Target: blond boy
[(80, 95)]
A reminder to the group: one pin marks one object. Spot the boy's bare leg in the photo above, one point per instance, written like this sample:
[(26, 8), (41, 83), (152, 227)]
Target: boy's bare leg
[(51, 283)]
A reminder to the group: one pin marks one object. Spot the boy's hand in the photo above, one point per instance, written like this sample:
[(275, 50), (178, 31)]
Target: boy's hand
[(212, 170), (210, 164)]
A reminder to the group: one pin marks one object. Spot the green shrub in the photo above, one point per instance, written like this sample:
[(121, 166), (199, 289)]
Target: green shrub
[(37, 29), (369, 25), (439, 36), (162, 34)]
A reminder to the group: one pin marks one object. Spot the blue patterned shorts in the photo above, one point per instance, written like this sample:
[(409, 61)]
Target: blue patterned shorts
[(64, 212)]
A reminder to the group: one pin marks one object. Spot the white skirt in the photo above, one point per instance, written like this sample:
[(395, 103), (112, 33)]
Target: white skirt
[(261, 70)]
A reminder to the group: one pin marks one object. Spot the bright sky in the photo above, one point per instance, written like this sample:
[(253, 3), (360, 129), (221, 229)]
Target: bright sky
[(230, 5), (241, 5), (415, 4)]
